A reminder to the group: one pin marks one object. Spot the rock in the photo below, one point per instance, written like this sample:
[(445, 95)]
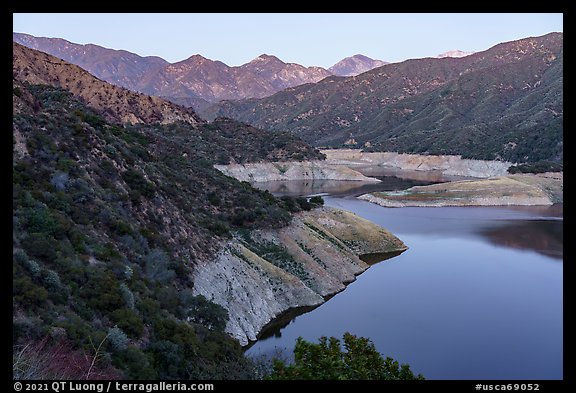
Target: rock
[(320, 252), (291, 170), (447, 165)]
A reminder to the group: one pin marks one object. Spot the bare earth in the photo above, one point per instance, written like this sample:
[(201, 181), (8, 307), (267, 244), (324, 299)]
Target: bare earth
[(522, 189)]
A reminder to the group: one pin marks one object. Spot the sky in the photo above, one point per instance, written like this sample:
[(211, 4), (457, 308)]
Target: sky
[(316, 39)]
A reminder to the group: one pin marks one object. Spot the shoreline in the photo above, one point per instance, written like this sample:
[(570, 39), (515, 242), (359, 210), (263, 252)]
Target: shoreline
[(512, 190)]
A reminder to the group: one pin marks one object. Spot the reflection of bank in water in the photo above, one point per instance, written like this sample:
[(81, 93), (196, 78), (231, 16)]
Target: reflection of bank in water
[(275, 326), (543, 236)]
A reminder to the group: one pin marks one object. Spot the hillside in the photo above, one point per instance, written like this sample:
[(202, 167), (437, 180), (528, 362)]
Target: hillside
[(503, 103), (116, 104), (112, 217)]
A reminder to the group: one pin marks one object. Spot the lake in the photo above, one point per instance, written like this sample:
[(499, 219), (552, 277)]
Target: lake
[(478, 294)]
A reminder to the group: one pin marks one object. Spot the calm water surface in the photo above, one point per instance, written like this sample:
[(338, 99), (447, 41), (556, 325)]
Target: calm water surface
[(478, 294)]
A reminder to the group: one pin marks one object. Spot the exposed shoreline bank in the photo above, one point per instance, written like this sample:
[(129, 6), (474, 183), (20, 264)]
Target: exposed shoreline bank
[(444, 164), (292, 170), (511, 190)]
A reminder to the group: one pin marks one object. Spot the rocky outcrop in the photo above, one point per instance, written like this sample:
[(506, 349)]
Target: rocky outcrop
[(445, 164), (291, 170), (525, 189), (260, 275)]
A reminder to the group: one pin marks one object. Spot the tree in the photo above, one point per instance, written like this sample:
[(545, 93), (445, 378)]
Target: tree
[(327, 360)]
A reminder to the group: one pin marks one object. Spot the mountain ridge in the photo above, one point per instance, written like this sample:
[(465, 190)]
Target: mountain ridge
[(502, 103), (196, 81)]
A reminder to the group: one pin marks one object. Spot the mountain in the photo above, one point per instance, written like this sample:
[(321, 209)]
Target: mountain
[(116, 203), (119, 67), (194, 82), (212, 81), (502, 103), (454, 53), (354, 65), (116, 103)]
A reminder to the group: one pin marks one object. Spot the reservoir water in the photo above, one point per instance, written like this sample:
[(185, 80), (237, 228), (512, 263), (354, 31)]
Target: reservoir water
[(478, 294)]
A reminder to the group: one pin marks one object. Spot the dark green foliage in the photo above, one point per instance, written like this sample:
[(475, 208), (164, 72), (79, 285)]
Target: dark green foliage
[(129, 321), (327, 360), (135, 363), (296, 204), (138, 184), (317, 201), (206, 313), (536, 167)]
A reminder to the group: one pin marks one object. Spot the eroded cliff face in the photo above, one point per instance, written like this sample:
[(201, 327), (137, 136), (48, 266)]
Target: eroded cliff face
[(291, 170), (447, 165), (260, 274)]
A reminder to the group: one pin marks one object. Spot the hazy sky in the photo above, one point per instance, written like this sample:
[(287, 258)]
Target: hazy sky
[(307, 39)]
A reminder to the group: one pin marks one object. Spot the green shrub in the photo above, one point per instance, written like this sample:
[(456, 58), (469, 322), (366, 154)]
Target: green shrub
[(41, 246), (204, 312), (135, 363), (117, 339), (128, 321), (327, 360), (316, 201)]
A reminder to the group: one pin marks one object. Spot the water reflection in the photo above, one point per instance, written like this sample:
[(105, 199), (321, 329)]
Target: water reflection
[(478, 294), (544, 237)]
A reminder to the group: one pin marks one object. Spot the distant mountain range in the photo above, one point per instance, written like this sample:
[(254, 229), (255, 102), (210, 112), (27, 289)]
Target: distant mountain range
[(197, 81), (502, 103)]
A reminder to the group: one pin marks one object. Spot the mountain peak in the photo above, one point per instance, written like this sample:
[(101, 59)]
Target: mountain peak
[(454, 53), (354, 65), (267, 58)]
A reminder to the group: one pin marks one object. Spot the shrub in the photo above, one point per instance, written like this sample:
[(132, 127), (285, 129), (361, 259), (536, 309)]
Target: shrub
[(41, 246), (326, 360), (204, 312), (127, 295), (51, 280), (135, 363), (128, 321), (117, 339), (317, 201), (138, 184), (30, 265), (156, 266)]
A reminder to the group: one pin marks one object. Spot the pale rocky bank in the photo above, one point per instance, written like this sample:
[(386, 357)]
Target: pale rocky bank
[(291, 170), (522, 189), (261, 274), (446, 165)]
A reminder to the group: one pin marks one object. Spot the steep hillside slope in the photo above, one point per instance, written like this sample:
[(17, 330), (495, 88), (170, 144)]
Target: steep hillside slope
[(116, 103)]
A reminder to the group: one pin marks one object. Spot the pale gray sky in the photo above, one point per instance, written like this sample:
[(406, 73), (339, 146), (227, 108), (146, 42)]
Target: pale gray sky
[(308, 39)]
